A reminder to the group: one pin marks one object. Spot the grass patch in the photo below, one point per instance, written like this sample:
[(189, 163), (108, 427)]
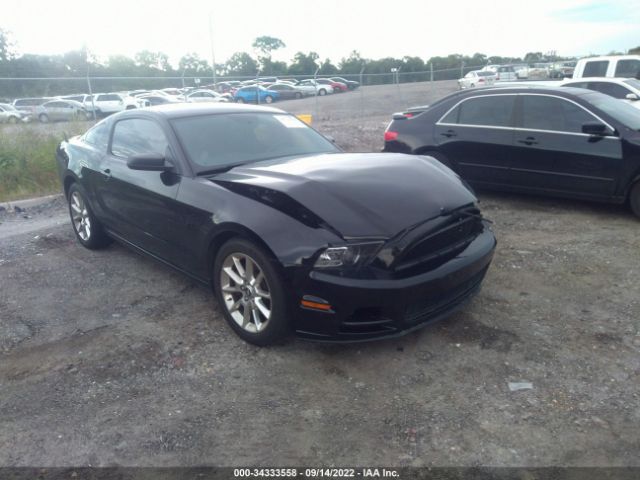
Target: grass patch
[(27, 158)]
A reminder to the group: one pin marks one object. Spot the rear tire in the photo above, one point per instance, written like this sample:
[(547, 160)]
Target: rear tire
[(253, 301), (634, 199), (86, 226), (298, 95), (43, 117), (13, 120), (268, 99), (239, 100), (322, 92)]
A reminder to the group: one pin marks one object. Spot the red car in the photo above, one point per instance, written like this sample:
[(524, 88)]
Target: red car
[(337, 86)]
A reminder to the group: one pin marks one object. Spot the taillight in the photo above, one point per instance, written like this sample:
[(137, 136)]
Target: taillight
[(481, 80), (408, 114), (390, 136)]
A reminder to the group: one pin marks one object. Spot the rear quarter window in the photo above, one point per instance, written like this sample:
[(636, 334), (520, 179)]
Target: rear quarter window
[(628, 68), (596, 68)]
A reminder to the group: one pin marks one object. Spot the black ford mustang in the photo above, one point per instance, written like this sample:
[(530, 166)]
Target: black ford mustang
[(288, 231)]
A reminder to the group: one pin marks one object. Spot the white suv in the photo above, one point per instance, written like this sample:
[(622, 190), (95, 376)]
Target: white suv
[(114, 102)]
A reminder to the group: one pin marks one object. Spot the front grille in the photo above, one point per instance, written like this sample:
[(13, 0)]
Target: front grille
[(430, 307), (443, 244)]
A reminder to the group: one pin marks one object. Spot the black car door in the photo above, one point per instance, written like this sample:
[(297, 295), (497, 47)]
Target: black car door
[(552, 153), (140, 205), (477, 137)]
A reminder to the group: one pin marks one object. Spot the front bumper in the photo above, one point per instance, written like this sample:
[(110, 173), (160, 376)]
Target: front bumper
[(364, 310)]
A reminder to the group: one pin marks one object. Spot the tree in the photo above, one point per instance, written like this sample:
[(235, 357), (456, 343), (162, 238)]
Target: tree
[(241, 64), (352, 64), (267, 44), (6, 46), (304, 64), (534, 57), (192, 65), (152, 60), (328, 68)]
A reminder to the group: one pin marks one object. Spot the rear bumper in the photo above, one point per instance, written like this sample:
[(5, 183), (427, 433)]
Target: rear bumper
[(364, 310)]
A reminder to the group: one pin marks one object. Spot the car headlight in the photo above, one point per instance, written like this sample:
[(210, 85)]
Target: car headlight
[(347, 255)]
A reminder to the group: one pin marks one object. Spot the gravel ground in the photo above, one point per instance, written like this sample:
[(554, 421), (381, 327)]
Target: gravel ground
[(108, 358)]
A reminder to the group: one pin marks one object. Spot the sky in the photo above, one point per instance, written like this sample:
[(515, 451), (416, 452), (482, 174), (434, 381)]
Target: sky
[(332, 28)]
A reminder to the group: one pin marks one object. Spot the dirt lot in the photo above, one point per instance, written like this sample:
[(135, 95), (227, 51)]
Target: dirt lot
[(107, 358)]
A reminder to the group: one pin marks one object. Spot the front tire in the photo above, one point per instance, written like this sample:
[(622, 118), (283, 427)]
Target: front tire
[(298, 95), (240, 100), (322, 92), (44, 118), (268, 99), (13, 120), (86, 226), (250, 292), (634, 199)]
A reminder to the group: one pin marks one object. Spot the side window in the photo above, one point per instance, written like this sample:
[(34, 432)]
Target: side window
[(611, 89), (98, 136), (628, 68), (596, 68), (578, 85), (137, 136), (491, 111), (540, 112)]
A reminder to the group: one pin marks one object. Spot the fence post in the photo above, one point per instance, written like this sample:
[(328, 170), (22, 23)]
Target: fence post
[(461, 69), (361, 91), (257, 88), (93, 103)]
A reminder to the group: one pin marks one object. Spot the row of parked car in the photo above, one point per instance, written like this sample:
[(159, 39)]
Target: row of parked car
[(84, 106), (617, 66)]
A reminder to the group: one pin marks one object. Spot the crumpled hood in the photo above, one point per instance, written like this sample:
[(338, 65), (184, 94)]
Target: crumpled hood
[(359, 195)]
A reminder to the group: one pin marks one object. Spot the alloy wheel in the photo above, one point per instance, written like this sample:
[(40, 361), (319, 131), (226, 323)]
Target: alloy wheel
[(246, 292), (80, 216)]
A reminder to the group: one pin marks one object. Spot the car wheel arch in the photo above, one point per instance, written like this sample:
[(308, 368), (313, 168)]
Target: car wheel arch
[(227, 232)]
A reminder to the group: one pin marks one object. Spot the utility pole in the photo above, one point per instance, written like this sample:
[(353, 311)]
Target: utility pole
[(213, 54)]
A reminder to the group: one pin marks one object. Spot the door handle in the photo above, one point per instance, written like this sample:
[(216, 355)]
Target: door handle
[(449, 134), (528, 141), (107, 173)]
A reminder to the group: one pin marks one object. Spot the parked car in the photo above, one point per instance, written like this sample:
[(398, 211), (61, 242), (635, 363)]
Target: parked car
[(107, 103), (311, 87), (28, 105), (84, 99), (61, 110), (302, 238), (197, 96), (477, 78), (506, 73), (175, 92), (255, 93), (159, 99), (522, 71), (337, 86), (286, 91), (10, 114), (555, 141), (351, 84), (622, 66), (626, 89), (562, 69)]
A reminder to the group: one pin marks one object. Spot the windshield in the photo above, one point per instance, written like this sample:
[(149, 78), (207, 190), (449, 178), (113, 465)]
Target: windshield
[(624, 113), (217, 141), (632, 82)]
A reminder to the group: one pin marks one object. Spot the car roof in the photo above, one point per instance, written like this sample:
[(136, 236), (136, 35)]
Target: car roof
[(178, 110), (599, 79)]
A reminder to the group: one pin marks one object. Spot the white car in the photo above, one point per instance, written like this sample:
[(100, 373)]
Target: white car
[(311, 87), (10, 114), (621, 66), (625, 89), (477, 78), (198, 96), (114, 102)]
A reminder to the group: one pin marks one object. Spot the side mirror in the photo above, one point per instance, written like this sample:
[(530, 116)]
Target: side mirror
[(149, 162), (595, 128), (631, 96)]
